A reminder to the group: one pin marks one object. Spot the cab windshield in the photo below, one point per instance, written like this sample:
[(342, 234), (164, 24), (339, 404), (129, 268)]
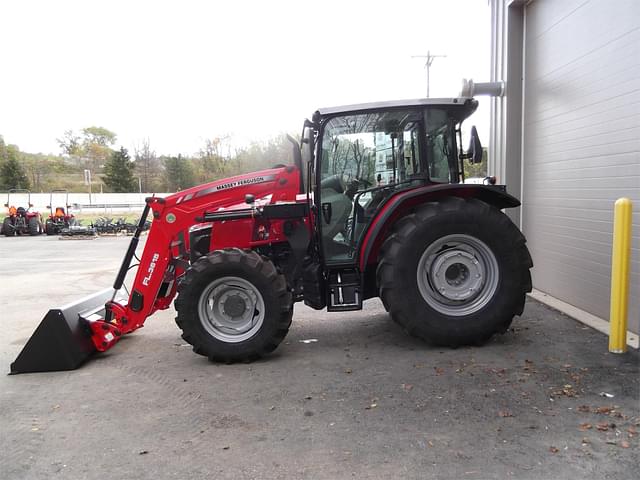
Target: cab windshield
[(365, 157)]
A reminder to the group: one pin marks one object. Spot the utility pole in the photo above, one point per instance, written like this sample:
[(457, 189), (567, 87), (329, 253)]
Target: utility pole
[(429, 58)]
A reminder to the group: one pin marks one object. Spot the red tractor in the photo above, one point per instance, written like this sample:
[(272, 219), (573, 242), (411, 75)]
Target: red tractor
[(373, 206), (60, 218), (21, 220)]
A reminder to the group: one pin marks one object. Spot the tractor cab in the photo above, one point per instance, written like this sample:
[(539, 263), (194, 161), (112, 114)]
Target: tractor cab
[(363, 156)]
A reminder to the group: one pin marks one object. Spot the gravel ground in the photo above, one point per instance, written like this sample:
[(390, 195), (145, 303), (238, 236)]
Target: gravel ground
[(345, 396)]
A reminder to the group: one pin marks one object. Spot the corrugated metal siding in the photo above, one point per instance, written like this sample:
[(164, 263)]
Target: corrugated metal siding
[(581, 145)]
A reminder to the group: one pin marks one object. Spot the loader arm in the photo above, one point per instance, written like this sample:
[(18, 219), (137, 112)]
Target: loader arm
[(165, 257), (68, 335)]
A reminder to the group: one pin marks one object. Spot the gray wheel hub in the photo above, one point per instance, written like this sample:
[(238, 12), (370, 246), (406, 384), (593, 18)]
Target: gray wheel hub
[(231, 309), (457, 275)]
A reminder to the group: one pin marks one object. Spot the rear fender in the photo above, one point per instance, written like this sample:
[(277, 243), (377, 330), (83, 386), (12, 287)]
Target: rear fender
[(403, 202)]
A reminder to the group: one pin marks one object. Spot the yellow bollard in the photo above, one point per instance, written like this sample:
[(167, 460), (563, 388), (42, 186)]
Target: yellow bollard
[(620, 261)]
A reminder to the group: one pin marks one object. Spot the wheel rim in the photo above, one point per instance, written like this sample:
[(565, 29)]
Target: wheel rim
[(457, 275), (231, 309)]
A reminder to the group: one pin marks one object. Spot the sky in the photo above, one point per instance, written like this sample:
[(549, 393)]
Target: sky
[(178, 73)]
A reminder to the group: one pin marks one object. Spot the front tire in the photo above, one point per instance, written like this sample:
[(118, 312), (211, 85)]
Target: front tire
[(233, 306), (455, 272)]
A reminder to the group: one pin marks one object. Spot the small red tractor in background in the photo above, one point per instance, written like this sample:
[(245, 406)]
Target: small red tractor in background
[(59, 216), (374, 205), (21, 220)]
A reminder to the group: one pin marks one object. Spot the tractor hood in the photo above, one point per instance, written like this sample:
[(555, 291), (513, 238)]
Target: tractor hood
[(280, 184)]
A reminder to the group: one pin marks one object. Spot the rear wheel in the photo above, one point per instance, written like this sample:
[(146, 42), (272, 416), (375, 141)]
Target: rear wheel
[(33, 226), (455, 272), (7, 228), (233, 305), (49, 228)]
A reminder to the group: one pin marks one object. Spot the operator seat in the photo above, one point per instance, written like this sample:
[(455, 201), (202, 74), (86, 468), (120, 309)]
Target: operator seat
[(332, 191)]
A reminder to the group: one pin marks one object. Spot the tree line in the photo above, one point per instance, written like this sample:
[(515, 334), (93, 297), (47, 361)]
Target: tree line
[(116, 169)]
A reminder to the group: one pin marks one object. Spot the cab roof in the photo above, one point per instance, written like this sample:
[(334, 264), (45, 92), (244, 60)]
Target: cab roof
[(467, 105)]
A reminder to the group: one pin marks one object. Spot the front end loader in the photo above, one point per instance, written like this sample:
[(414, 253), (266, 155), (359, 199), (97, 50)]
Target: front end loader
[(375, 205)]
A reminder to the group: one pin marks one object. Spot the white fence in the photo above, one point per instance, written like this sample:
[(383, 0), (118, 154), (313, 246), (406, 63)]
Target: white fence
[(83, 202)]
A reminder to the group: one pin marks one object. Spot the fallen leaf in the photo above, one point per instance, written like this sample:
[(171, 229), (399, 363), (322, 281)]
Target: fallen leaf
[(348, 370), (439, 371), (407, 387), (632, 431), (553, 449), (602, 426), (625, 444), (143, 452), (603, 409), (584, 408), (226, 447), (584, 426), (505, 413)]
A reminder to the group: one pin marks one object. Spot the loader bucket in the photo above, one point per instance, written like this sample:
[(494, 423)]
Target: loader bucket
[(62, 341)]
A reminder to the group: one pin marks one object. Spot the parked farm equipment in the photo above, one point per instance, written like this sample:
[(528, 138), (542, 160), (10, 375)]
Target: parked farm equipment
[(375, 205), (107, 226), (60, 217), (21, 220)]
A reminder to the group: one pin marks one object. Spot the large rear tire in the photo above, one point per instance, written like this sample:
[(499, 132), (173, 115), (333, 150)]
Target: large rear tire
[(7, 228), (455, 272), (49, 228), (233, 306), (34, 226)]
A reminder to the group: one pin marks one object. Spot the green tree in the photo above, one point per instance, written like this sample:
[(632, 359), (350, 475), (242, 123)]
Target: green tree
[(99, 136), (118, 172), (70, 143), (92, 149), (12, 174), (178, 172), (148, 167)]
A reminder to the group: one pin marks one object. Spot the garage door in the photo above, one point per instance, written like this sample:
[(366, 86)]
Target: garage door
[(581, 144)]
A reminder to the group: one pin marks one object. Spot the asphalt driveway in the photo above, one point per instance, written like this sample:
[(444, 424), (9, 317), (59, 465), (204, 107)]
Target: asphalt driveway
[(345, 396)]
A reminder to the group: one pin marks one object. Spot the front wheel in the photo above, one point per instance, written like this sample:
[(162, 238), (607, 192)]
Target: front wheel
[(455, 272), (233, 305)]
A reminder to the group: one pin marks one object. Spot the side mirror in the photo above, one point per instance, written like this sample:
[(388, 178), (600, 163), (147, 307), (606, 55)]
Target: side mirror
[(475, 147), (297, 154), (297, 160), (49, 207)]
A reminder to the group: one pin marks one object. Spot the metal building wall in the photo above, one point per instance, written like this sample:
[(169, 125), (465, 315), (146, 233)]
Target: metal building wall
[(581, 144)]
